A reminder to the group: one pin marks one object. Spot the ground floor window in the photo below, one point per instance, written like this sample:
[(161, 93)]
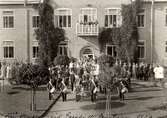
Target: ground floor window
[(62, 49), (111, 50), (8, 49), (35, 50), (141, 49)]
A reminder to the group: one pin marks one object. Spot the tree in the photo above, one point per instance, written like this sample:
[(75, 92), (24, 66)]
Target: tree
[(126, 37), (109, 35), (129, 32), (48, 35), (107, 71), (33, 76)]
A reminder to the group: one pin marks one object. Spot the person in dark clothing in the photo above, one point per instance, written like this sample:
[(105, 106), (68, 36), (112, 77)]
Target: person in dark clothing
[(63, 90), (93, 86), (123, 89), (51, 88), (72, 79)]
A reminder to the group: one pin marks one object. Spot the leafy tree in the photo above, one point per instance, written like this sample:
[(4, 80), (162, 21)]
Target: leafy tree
[(107, 71), (34, 76), (109, 35), (129, 32), (125, 37), (48, 35)]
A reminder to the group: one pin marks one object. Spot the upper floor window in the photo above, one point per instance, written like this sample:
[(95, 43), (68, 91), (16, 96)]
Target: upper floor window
[(35, 49), (8, 49), (111, 50), (35, 21), (63, 17), (141, 49), (8, 19), (113, 17), (88, 15), (141, 18)]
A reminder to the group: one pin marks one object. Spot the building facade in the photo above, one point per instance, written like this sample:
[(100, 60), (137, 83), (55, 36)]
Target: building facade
[(82, 21)]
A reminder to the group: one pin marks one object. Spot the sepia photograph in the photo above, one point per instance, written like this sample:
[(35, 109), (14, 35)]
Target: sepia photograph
[(83, 58)]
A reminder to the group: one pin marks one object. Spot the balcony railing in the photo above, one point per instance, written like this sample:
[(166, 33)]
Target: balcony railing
[(87, 29)]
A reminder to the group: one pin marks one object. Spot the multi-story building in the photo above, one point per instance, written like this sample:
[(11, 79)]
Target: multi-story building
[(82, 21)]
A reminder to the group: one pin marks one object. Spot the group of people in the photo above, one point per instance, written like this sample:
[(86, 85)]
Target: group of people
[(82, 78), (79, 77)]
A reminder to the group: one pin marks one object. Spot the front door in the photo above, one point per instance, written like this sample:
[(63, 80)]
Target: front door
[(87, 52)]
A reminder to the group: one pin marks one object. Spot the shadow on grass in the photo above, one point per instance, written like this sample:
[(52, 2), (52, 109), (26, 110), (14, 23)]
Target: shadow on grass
[(28, 88), (163, 116), (143, 98), (88, 98), (161, 107), (13, 92), (148, 90), (102, 105), (138, 85)]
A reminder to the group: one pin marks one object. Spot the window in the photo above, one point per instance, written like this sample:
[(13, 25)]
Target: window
[(165, 17), (63, 17), (112, 17), (141, 18), (166, 47), (111, 50), (141, 49), (88, 15), (35, 49), (8, 49), (8, 19), (35, 21), (63, 49)]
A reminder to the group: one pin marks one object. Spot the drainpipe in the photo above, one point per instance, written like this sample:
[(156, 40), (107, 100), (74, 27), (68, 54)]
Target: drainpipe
[(27, 30), (152, 29)]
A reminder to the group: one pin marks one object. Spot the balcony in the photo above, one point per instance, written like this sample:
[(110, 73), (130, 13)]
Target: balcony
[(87, 29)]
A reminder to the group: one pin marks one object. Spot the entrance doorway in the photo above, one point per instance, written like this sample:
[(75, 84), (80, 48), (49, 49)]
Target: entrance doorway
[(87, 52)]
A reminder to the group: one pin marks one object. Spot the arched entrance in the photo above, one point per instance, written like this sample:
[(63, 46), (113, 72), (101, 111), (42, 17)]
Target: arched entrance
[(87, 52)]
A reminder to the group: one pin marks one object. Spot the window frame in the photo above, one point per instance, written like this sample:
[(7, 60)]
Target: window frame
[(143, 41), (13, 45), (35, 44), (8, 15), (144, 13), (111, 45), (165, 48), (36, 22), (117, 14), (81, 14), (68, 13), (64, 45), (165, 18)]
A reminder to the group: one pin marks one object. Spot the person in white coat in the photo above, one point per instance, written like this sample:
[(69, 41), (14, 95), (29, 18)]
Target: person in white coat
[(159, 74), (3, 70)]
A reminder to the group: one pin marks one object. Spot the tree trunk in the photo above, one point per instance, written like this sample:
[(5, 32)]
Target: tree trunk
[(108, 105), (33, 105)]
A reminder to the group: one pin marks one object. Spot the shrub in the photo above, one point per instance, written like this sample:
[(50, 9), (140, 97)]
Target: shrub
[(35, 75), (29, 74), (61, 60)]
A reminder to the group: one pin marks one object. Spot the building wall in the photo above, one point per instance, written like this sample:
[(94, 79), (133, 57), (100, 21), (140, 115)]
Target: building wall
[(76, 43), (20, 33), (16, 34), (160, 34), (144, 33)]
